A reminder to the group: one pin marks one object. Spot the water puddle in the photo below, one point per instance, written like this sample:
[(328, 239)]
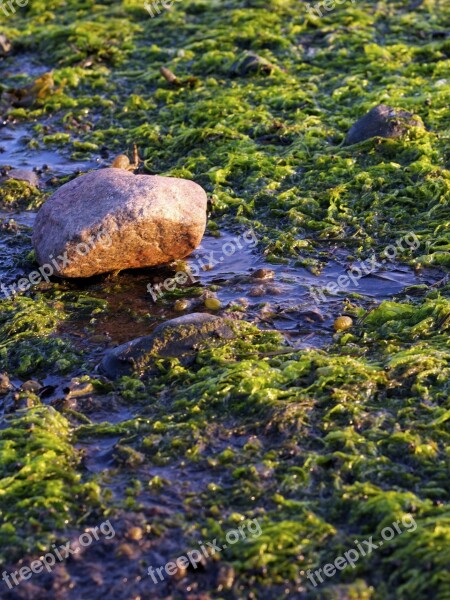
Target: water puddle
[(290, 300), (15, 152), (284, 297), (15, 232)]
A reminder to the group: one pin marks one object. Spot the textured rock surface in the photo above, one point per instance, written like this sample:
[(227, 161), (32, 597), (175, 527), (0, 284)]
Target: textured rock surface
[(24, 175), (382, 121), (179, 338), (112, 219)]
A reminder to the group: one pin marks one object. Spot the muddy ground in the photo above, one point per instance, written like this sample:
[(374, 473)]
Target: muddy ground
[(322, 438)]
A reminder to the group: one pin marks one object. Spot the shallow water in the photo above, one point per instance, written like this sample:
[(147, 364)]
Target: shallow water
[(290, 302), (16, 153)]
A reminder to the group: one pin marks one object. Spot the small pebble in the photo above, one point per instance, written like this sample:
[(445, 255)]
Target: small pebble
[(80, 388), (256, 291), (5, 45), (26, 175), (263, 274), (121, 162), (274, 289), (343, 323), (181, 305), (31, 386), (213, 303), (135, 534), (127, 551), (225, 577), (5, 384)]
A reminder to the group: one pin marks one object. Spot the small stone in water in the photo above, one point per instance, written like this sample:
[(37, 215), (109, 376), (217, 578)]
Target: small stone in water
[(5, 45), (343, 323), (256, 291), (213, 303), (26, 175), (263, 274), (181, 305), (80, 388), (225, 577), (135, 534), (274, 289), (5, 384), (31, 386), (121, 162)]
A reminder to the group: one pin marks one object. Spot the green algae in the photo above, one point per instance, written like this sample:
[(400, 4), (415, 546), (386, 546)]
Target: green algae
[(337, 448), (40, 488), (20, 195), (324, 447), (30, 341), (25, 343), (266, 147)]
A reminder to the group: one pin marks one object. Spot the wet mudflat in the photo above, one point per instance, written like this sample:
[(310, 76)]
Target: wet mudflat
[(325, 437), (287, 298)]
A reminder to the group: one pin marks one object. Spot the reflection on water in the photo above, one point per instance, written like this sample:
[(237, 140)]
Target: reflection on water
[(288, 301), (15, 152)]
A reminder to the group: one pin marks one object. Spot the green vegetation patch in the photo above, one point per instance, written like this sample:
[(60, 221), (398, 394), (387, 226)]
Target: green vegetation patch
[(325, 449), (40, 488)]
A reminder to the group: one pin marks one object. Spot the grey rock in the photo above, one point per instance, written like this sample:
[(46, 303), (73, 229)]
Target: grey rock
[(23, 175), (382, 121), (111, 219), (181, 338)]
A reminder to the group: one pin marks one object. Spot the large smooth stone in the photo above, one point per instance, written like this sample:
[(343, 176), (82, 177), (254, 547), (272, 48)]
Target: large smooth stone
[(382, 121), (178, 338), (111, 219)]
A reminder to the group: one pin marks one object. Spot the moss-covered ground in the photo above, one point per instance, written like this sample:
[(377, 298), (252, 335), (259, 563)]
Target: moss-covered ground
[(325, 447)]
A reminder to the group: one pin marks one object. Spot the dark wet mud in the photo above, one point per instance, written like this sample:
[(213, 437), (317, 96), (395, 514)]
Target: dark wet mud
[(287, 298)]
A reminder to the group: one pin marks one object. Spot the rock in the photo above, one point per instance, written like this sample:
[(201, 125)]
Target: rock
[(213, 304), (343, 323), (121, 162), (181, 305), (180, 338), (5, 384), (382, 121), (23, 175), (78, 389), (5, 45), (263, 274), (250, 63), (111, 219), (31, 386)]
